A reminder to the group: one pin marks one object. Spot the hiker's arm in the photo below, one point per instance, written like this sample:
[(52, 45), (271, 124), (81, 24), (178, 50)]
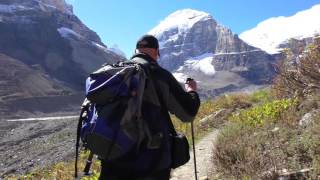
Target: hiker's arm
[(183, 104)]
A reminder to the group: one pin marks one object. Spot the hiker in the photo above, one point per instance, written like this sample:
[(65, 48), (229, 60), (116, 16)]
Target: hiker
[(155, 160)]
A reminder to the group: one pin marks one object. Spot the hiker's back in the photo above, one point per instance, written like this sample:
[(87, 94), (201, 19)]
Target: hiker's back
[(152, 158), (154, 153)]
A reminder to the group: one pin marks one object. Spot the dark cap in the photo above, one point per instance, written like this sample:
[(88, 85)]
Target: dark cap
[(148, 41)]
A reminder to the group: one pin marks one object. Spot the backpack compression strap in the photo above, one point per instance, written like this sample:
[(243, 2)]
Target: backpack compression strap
[(83, 109), (78, 141)]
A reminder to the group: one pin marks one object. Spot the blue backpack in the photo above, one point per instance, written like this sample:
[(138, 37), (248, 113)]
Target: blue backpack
[(110, 123)]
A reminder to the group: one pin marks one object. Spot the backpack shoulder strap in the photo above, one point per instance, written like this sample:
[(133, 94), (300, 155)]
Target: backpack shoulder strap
[(146, 66)]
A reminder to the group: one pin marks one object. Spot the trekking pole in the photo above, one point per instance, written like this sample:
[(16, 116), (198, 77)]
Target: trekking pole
[(88, 164), (194, 152)]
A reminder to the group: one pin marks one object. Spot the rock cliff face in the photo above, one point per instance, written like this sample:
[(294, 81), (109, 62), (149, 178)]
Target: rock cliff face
[(193, 44), (59, 4), (47, 51)]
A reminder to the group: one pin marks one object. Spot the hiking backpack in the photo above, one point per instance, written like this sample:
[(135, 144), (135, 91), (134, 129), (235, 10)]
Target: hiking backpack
[(110, 123)]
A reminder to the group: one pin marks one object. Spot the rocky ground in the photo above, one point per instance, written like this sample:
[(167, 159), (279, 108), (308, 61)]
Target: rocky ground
[(33, 144), (28, 145)]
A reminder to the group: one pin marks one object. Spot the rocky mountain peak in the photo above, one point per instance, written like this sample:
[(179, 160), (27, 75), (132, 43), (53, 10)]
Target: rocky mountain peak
[(188, 33), (194, 44), (186, 18)]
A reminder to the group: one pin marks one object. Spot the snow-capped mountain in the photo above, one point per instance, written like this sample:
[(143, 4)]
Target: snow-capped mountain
[(193, 44), (46, 53), (271, 33), (182, 20)]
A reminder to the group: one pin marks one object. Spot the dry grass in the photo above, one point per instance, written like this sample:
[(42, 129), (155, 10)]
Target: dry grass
[(61, 171), (299, 75), (255, 152)]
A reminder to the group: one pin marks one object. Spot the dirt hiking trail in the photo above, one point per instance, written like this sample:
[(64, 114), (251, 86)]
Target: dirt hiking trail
[(203, 156)]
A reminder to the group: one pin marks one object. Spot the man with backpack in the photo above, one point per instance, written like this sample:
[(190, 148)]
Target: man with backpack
[(162, 94)]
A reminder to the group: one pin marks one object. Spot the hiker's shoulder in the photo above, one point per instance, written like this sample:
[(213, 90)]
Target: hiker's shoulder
[(145, 60), (158, 72), (141, 58)]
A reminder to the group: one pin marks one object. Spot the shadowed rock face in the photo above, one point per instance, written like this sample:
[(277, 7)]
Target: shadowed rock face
[(15, 74), (44, 40), (255, 66)]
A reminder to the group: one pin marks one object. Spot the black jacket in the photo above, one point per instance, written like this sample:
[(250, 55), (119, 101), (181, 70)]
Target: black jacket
[(163, 94), (183, 104)]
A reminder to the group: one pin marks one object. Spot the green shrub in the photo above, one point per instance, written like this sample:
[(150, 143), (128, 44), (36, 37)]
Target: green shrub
[(260, 114), (261, 96)]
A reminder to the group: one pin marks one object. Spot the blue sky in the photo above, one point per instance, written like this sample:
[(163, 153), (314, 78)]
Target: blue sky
[(122, 22)]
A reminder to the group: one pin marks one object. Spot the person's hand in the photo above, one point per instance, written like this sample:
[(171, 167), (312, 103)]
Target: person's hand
[(190, 85)]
